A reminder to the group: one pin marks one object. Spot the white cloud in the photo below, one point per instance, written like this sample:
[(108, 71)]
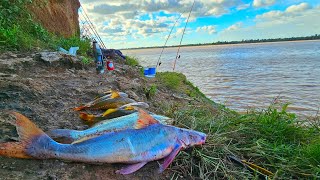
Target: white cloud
[(298, 8), (263, 3), (243, 6), (210, 29), (291, 11), (296, 20), (235, 26)]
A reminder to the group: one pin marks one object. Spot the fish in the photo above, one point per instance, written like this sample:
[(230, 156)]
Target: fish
[(115, 124), (113, 100), (113, 112), (148, 141)]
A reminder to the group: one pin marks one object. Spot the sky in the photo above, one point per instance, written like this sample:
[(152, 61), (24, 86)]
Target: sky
[(144, 23)]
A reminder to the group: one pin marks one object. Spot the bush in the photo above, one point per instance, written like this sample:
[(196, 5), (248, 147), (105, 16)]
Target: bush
[(131, 61)]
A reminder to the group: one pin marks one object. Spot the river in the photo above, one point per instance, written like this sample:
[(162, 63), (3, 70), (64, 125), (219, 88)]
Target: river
[(246, 76)]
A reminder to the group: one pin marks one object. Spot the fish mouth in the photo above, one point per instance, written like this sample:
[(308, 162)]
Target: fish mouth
[(203, 140)]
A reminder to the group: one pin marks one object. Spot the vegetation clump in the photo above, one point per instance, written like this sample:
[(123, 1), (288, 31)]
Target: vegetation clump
[(131, 61), (20, 32), (272, 139)]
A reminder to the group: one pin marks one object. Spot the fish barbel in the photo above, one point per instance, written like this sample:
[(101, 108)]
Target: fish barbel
[(149, 141), (113, 100), (115, 124)]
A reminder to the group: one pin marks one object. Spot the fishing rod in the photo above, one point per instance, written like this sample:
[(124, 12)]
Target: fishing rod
[(174, 65), (159, 63)]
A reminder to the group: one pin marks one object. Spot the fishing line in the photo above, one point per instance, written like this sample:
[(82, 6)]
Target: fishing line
[(159, 63), (174, 65)]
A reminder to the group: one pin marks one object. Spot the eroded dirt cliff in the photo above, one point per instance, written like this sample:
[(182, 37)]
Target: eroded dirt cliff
[(57, 16)]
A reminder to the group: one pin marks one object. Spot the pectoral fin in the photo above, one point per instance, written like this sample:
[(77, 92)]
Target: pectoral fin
[(109, 111), (115, 94), (168, 160), (131, 168)]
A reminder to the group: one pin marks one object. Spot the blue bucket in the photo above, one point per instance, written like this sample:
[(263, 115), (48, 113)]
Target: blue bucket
[(146, 71), (152, 71)]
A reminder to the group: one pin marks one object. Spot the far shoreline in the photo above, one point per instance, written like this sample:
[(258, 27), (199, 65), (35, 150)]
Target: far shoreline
[(226, 44)]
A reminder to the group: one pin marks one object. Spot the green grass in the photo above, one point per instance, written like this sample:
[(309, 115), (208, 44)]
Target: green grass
[(172, 80), (150, 91), (83, 44), (19, 32), (132, 61), (269, 138)]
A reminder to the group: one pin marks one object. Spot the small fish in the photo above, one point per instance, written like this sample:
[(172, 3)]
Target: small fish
[(113, 112), (113, 100), (149, 141), (115, 124)]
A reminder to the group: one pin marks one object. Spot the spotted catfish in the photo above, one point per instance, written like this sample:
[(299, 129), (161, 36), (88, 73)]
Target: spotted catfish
[(113, 100), (149, 141), (115, 124)]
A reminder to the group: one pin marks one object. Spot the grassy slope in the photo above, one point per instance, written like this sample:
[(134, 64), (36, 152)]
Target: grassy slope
[(273, 139)]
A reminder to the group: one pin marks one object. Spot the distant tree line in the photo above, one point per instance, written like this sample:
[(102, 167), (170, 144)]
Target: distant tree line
[(314, 37)]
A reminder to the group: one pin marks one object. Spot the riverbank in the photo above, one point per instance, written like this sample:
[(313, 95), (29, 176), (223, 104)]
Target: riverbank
[(275, 140)]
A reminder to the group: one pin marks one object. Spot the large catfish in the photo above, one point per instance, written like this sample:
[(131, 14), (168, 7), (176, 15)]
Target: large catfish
[(149, 141)]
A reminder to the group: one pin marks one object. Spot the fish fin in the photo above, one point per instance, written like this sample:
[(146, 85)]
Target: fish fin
[(26, 131), (131, 168), (129, 108), (109, 111), (79, 108), (115, 94), (144, 120), (168, 160), (87, 117), (25, 128), (14, 149)]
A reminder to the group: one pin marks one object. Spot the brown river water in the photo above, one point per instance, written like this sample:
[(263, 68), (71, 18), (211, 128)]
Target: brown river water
[(246, 76)]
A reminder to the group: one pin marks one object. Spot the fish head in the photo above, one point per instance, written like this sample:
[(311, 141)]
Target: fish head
[(191, 138)]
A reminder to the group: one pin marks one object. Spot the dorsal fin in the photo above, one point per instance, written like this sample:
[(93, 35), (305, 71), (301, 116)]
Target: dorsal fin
[(115, 94), (144, 120)]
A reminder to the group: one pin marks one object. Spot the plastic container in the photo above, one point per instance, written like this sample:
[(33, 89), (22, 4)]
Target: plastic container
[(110, 65), (152, 71), (146, 71), (73, 51)]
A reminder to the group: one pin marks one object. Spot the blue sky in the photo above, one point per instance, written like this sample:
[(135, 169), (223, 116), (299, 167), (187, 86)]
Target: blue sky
[(141, 23)]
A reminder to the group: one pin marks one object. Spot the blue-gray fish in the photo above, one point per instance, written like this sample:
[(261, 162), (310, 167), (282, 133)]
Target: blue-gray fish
[(149, 141)]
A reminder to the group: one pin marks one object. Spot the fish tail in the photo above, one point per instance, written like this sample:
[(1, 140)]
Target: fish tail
[(14, 149), (27, 132), (79, 108), (87, 117)]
